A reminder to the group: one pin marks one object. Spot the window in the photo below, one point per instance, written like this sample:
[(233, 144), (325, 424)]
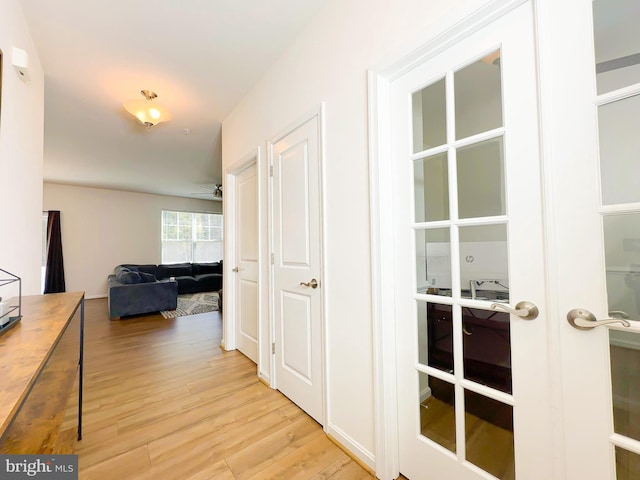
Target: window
[(191, 237)]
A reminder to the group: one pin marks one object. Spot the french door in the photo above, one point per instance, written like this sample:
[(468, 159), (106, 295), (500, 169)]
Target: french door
[(590, 51), (470, 303)]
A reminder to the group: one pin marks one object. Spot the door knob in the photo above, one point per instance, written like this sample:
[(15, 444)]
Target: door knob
[(585, 320), (235, 269), (524, 309), (313, 283)]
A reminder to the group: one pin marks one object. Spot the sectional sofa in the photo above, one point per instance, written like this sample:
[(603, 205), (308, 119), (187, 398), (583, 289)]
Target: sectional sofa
[(135, 289)]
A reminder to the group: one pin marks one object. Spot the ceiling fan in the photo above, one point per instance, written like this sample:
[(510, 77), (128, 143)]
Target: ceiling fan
[(215, 192)]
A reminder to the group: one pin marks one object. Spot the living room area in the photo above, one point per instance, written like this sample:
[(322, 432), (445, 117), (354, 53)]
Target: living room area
[(149, 378)]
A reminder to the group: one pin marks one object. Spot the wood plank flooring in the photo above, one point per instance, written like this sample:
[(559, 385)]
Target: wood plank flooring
[(163, 401)]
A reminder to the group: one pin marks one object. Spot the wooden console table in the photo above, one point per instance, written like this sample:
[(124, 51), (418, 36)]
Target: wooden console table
[(41, 358)]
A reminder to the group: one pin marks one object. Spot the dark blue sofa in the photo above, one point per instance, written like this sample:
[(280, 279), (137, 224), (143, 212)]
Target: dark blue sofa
[(137, 298), (135, 289)]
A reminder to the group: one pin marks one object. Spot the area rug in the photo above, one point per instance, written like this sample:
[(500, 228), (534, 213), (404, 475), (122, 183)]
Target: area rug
[(193, 303)]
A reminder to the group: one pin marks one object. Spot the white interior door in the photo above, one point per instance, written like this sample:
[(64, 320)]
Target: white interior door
[(473, 381), (296, 267), (246, 268), (594, 104)]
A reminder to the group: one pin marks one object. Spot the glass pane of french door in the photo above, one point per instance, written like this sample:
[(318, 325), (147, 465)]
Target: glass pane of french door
[(617, 59), (461, 255)]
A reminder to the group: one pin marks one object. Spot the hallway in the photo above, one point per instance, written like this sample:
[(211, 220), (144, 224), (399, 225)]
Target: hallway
[(163, 401)]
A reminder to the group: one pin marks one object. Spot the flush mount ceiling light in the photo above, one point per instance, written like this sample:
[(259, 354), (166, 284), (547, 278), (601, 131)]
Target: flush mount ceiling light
[(147, 112)]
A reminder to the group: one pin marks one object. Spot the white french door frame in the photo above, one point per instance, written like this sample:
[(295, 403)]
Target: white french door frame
[(229, 314), (324, 354), (382, 244)]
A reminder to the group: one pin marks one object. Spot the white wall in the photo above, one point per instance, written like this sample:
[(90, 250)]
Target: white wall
[(329, 63), (103, 228), (21, 147)]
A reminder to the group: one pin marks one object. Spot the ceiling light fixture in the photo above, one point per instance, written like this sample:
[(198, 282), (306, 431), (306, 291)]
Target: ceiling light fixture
[(147, 112)]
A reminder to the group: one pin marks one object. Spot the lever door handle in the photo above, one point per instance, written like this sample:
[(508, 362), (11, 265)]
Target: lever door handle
[(524, 309), (585, 320), (313, 283)]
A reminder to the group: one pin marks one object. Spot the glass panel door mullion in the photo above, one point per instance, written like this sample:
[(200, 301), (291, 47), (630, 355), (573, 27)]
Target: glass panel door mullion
[(620, 208), (488, 392), (625, 442), (430, 152), (495, 220), (478, 138), (434, 372), (617, 95), (458, 360)]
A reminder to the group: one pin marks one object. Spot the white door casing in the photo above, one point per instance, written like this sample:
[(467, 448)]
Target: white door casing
[(246, 265), (531, 371), (297, 265)]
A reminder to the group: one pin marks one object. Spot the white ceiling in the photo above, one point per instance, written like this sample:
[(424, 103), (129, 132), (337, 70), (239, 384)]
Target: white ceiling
[(200, 56)]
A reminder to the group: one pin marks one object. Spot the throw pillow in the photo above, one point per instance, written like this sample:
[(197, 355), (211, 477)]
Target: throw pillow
[(147, 277), (127, 276)]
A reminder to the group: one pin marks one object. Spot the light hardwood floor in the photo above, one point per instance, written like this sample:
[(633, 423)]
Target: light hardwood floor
[(162, 401)]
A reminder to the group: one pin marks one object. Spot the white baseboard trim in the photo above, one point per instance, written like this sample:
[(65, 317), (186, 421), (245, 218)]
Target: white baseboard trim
[(357, 450), (93, 297), (265, 377), (425, 394)]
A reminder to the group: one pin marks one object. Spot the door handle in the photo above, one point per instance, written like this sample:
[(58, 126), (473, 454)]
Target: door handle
[(524, 309), (235, 269), (585, 320), (313, 283)]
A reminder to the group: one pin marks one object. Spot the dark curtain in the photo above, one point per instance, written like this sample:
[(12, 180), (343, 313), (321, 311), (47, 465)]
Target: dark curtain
[(54, 273)]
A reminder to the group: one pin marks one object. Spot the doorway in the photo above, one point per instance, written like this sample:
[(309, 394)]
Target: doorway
[(296, 264), (242, 262), (463, 230), (246, 265)]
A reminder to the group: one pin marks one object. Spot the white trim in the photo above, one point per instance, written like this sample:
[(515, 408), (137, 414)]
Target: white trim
[(425, 394), (544, 48), (229, 221), (382, 281), (272, 327), (350, 444), (381, 219), (94, 297), (318, 112), (466, 26)]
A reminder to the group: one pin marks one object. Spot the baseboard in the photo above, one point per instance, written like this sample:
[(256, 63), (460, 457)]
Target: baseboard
[(357, 452), (425, 394), (94, 297), (264, 378)]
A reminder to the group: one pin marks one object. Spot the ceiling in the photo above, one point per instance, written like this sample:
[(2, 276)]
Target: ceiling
[(200, 56)]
